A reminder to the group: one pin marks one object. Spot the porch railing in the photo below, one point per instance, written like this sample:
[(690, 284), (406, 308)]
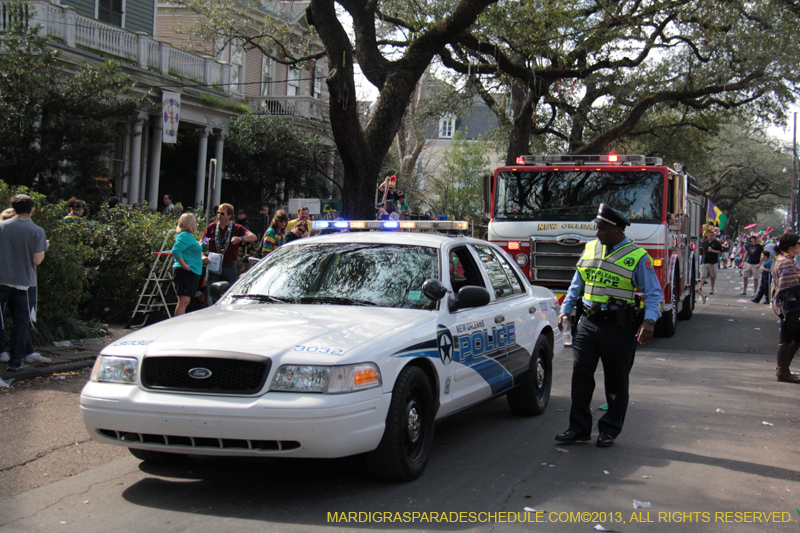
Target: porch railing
[(78, 31)]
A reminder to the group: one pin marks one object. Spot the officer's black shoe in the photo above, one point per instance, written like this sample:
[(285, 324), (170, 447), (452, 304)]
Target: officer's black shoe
[(570, 436), (604, 440)]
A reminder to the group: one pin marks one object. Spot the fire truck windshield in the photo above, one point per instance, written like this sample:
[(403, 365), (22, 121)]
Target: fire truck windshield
[(575, 195)]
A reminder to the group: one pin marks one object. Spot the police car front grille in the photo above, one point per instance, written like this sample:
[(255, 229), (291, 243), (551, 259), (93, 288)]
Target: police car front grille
[(227, 376), (554, 262), (180, 441)]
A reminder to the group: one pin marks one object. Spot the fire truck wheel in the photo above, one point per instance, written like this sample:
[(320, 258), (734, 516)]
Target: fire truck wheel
[(530, 398), (688, 302), (666, 325)]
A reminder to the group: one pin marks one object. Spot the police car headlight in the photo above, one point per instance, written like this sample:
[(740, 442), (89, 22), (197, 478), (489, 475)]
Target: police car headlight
[(326, 379), (521, 259), (114, 369)]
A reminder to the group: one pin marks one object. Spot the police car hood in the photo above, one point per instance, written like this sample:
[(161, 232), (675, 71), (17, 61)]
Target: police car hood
[(326, 333)]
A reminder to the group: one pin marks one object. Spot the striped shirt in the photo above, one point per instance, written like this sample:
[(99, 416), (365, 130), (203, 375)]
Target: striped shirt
[(272, 240)]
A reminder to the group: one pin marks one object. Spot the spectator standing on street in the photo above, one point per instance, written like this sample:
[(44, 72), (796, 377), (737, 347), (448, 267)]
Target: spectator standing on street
[(299, 231), (76, 210), (302, 214), (752, 258), (275, 236), (22, 248), (770, 247), (188, 265), (711, 249), (726, 249), (766, 268), (168, 205), (785, 302), (32, 357), (241, 219), (263, 221), (225, 237)]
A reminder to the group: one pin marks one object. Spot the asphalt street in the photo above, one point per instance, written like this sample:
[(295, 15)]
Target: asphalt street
[(710, 444)]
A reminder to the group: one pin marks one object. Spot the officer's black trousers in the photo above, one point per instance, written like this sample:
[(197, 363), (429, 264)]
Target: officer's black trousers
[(615, 346)]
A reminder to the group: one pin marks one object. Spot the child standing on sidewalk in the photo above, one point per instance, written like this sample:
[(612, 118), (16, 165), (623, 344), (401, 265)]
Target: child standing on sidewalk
[(766, 276)]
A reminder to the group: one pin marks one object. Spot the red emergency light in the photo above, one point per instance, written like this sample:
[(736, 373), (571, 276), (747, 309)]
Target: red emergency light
[(613, 158)]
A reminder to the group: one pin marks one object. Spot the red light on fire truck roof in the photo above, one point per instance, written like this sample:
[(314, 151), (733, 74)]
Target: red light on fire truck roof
[(520, 160), (613, 158), (513, 245)]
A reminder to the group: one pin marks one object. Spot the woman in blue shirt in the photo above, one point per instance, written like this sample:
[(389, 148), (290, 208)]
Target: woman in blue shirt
[(188, 261)]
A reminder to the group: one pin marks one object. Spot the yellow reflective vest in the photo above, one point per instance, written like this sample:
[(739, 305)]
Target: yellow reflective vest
[(610, 276)]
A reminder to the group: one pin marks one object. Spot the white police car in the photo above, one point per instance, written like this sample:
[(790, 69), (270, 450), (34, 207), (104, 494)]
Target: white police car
[(333, 346)]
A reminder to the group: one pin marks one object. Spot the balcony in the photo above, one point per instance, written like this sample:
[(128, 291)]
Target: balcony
[(76, 31), (296, 106)]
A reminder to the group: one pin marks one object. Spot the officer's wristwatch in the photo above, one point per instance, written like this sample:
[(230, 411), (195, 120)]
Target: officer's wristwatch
[(650, 321)]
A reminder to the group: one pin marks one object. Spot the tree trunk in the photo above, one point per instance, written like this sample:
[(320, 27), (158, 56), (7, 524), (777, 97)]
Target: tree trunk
[(519, 138), (362, 149)]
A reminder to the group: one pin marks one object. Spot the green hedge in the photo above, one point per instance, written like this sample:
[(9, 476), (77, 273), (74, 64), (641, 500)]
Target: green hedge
[(94, 270)]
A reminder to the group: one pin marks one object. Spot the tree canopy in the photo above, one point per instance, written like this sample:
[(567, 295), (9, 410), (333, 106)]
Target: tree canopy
[(588, 73), (271, 161), (51, 118)]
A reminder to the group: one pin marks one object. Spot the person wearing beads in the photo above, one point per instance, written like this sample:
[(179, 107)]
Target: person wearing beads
[(76, 210), (276, 233), (225, 237), (785, 298), (22, 248)]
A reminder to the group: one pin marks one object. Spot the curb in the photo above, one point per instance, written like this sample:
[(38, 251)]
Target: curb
[(30, 372)]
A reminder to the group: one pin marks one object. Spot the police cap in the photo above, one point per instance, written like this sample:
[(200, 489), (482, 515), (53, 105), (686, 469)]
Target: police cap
[(609, 215)]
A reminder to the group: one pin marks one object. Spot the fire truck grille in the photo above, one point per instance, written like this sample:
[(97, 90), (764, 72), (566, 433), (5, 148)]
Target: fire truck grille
[(209, 375), (554, 262)]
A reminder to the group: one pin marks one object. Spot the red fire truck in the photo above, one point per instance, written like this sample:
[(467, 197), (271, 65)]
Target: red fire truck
[(542, 211)]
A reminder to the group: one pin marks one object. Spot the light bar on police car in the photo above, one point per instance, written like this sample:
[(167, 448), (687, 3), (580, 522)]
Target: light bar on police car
[(580, 159), (436, 225)]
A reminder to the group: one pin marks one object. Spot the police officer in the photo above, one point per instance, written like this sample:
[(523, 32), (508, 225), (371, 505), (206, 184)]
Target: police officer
[(609, 272)]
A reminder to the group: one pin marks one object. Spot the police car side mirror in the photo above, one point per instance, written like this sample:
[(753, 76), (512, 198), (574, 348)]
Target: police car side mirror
[(434, 289), (470, 296), (218, 289)]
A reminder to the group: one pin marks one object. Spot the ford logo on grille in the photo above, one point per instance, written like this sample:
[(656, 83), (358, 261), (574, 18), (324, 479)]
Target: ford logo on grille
[(568, 240), (200, 373)]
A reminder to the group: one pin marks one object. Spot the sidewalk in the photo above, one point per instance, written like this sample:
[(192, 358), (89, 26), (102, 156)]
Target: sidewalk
[(78, 355)]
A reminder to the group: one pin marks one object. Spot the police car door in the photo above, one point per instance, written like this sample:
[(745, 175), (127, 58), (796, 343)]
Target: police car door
[(511, 312), (476, 375)]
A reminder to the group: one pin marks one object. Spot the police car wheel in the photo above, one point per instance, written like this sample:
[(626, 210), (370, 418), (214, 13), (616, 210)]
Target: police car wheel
[(407, 440), (530, 398), (150, 456)]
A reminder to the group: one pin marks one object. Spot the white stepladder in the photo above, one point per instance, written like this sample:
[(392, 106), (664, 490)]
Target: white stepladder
[(159, 290)]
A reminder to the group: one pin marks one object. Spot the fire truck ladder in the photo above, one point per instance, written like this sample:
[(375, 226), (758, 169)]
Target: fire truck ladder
[(158, 291)]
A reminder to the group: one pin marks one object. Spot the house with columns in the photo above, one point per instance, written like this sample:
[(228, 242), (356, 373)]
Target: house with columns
[(213, 88), (266, 86)]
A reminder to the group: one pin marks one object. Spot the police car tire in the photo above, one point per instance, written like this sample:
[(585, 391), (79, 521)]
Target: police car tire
[(399, 456), (530, 398), (151, 456)]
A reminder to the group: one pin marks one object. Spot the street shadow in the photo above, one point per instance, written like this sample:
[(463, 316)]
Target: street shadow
[(467, 446)]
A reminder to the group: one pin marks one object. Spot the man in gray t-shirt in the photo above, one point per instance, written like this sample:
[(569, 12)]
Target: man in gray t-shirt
[(22, 248)]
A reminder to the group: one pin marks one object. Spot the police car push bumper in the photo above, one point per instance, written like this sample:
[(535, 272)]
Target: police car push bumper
[(275, 424)]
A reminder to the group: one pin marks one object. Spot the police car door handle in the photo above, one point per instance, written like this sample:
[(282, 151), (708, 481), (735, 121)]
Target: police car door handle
[(499, 319)]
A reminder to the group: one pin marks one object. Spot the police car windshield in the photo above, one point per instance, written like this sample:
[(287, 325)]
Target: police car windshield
[(384, 275), (575, 195)]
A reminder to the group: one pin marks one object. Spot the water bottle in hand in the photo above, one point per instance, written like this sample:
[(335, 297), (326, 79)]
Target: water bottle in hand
[(566, 324)]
